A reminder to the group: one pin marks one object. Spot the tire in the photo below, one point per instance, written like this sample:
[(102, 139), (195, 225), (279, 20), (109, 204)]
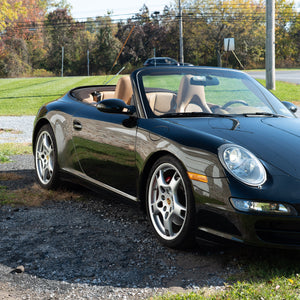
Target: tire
[(45, 158), (170, 203)]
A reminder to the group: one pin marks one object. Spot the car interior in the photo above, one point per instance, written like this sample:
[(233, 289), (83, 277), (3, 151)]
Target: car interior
[(190, 96)]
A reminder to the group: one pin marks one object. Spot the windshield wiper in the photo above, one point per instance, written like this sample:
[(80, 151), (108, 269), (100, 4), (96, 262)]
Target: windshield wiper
[(194, 114), (236, 123), (263, 114)]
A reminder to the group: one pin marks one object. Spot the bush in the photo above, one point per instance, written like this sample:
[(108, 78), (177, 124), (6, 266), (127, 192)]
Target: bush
[(42, 73)]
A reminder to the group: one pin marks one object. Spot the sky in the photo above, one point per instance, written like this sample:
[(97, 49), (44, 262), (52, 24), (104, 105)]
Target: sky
[(93, 8), (121, 8)]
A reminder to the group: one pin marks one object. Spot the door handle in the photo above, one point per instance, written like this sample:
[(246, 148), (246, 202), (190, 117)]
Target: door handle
[(77, 125)]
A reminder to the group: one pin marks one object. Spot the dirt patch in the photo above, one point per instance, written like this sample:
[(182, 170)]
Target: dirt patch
[(12, 131), (12, 193), (10, 176)]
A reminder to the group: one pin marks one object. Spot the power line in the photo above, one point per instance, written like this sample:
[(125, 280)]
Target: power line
[(206, 16)]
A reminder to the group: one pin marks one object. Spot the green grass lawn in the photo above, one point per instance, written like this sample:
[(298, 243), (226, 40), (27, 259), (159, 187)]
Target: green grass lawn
[(264, 274), (285, 91), (24, 96), (8, 149)]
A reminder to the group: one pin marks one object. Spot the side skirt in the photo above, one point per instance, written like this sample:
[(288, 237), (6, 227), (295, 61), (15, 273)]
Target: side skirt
[(99, 184)]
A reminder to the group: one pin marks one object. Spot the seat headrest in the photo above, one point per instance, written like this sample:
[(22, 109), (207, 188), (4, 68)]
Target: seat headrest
[(191, 94), (124, 89)]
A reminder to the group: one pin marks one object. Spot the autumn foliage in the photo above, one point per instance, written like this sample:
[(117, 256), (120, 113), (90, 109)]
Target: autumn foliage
[(35, 35)]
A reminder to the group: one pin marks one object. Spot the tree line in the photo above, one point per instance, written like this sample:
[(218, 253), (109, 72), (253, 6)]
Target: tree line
[(37, 37)]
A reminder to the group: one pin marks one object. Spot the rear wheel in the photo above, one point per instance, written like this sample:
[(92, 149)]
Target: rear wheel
[(45, 158), (170, 203)]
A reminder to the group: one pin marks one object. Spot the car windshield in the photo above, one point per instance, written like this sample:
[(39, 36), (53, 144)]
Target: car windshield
[(204, 91)]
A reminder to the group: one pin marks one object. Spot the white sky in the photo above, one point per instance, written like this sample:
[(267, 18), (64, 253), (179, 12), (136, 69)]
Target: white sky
[(120, 8), (93, 8)]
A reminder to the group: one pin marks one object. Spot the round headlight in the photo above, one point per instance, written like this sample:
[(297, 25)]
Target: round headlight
[(242, 164)]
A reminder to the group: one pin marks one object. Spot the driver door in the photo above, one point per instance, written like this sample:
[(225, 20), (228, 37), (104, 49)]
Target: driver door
[(106, 148)]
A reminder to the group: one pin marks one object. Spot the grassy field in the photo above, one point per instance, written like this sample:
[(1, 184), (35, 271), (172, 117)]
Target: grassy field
[(8, 149), (264, 274), (24, 96), (286, 91)]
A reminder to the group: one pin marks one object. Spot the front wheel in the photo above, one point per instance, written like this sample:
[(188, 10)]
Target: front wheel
[(170, 203), (45, 158)]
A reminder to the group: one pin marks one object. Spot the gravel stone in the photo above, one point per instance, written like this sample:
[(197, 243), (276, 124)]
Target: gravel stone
[(101, 247), (14, 129)]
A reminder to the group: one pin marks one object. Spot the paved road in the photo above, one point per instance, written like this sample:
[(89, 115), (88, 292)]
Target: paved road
[(292, 76)]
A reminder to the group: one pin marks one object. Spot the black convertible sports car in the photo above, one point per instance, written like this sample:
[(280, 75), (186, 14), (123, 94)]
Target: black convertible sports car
[(209, 153)]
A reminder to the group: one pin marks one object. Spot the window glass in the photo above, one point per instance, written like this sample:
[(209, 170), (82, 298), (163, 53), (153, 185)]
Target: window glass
[(209, 91)]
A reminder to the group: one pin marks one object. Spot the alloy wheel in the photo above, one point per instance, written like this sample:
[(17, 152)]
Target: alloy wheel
[(44, 157), (167, 201)]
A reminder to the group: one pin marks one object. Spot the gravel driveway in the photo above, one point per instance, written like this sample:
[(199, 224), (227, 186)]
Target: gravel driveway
[(15, 129), (100, 247), (94, 245)]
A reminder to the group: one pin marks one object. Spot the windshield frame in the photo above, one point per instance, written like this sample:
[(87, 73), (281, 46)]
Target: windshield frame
[(274, 104)]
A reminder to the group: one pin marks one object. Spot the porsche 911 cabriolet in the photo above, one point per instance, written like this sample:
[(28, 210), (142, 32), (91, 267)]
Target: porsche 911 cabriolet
[(209, 153)]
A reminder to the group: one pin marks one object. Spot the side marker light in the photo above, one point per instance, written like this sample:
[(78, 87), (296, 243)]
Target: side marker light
[(197, 177)]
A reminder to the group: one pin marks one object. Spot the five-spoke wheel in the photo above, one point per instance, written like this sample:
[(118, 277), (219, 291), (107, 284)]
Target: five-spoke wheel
[(170, 204), (46, 158)]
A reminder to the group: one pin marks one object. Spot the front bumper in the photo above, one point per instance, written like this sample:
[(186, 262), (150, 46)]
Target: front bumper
[(252, 229)]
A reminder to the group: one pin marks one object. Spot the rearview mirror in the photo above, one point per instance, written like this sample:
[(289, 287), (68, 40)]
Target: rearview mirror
[(204, 80), (115, 106)]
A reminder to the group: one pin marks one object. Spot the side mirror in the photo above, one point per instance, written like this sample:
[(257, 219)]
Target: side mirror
[(290, 106), (115, 106)]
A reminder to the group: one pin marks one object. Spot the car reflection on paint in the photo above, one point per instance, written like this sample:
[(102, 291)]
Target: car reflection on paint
[(209, 153)]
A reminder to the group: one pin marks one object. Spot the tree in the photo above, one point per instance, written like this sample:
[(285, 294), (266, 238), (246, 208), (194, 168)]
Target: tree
[(295, 36), (32, 39), (25, 31), (149, 33), (9, 11), (286, 47), (239, 19), (60, 31), (106, 48)]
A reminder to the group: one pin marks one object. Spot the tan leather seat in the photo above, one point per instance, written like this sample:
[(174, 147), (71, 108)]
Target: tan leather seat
[(107, 95), (161, 102), (124, 89), (191, 97), (83, 94)]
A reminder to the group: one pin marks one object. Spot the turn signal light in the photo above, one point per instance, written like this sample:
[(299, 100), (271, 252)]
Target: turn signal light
[(197, 177)]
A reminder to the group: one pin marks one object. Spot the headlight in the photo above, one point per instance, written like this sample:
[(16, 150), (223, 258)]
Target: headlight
[(242, 164)]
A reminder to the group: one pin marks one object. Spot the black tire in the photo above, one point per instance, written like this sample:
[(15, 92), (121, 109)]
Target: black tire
[(170, 203), (45, 158)]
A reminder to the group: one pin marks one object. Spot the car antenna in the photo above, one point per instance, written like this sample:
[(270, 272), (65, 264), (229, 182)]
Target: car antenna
[(132, 28), (114, 76)]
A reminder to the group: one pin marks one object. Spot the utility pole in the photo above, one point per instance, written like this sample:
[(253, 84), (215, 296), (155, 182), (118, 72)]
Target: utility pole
[(88, 62), (62, 61), (181, 58), (270, 45)]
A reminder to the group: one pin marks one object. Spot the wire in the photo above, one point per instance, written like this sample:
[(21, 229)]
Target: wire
[(238, 12)]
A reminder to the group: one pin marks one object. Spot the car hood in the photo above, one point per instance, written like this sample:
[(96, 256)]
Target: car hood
[(275, 141)]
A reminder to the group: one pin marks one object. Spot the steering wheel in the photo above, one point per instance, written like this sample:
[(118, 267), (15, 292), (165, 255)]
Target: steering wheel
[(234, 102)]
